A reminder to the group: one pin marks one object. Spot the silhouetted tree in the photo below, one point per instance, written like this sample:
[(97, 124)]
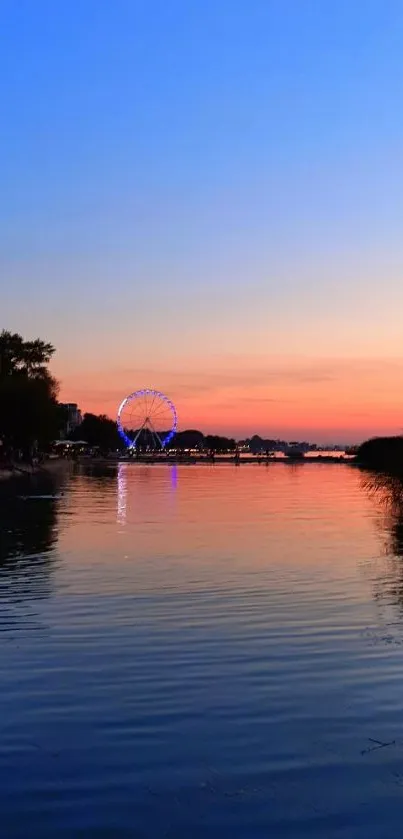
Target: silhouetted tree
[(100, 431), (259, 444), (24, 358), (28, 393), (384, 453), (188, 439)]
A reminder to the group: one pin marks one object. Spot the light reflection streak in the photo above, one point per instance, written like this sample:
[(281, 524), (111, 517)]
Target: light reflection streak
[(174, 477), (122, 494)]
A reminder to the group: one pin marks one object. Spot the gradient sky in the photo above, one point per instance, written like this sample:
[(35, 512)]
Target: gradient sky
[(207, 197)]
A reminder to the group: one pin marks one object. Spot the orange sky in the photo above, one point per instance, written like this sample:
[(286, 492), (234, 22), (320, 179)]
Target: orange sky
[(331, 400)]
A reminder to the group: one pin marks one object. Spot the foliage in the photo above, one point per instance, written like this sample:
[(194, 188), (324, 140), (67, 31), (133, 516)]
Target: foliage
[(190, 439), (215, 443), (24, 358), (98, 431), (259, 444), (28, 393), (384, 453)]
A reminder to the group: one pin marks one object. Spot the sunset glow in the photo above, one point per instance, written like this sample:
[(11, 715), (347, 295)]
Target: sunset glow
[(337, 400), (206, 200)]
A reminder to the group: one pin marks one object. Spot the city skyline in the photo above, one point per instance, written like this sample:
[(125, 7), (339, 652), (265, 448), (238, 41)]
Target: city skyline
[(207, 200)]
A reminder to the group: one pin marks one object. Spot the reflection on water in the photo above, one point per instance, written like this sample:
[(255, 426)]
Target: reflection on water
[(386, 491), (143, 475), (174, 476), (203, 651), (122, 493), (28, 532)]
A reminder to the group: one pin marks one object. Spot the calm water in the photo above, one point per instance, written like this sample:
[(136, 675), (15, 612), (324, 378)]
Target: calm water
[(203, 651)]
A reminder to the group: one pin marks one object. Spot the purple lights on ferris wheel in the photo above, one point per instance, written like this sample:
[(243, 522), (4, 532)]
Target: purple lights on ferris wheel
[(141, 412)]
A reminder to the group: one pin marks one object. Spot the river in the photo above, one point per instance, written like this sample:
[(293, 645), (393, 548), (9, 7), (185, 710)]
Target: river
[(202, 651)]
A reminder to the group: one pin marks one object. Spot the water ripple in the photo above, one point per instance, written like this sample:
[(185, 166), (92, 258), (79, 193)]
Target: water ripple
[(219, 655)]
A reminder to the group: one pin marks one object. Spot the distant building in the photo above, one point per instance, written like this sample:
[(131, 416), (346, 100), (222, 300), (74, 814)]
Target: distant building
[(73, 417)]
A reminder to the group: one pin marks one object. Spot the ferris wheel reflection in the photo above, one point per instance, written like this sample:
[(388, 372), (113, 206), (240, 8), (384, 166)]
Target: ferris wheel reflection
[(174, 476), (131, 480), (122, 494)]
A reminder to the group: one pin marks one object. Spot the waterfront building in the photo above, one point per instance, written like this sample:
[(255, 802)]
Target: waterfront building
[(73, 417)]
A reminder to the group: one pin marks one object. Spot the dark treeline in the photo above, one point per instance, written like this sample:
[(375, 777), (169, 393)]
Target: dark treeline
[(216, 443), (101, 432), (259, 444), (382, 453), (30, 415), (98, 431), (192, 439)]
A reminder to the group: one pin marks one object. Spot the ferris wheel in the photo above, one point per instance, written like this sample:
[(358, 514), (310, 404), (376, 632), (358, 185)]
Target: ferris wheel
[(147, 420)]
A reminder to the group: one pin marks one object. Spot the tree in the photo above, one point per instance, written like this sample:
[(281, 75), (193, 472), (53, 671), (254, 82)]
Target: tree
[(188, 439), (28, 393), (25, 358), (99, 431), (383, 453)]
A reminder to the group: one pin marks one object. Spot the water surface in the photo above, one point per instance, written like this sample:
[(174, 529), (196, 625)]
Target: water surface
[(203, 651)]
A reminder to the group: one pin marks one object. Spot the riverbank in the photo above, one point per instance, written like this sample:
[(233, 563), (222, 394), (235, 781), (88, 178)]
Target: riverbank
[(26, 470)]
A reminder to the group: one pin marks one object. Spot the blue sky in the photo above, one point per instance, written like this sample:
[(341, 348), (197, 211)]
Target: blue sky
[(202, 186)]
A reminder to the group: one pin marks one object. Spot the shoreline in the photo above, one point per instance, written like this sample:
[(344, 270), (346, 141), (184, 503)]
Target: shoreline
[(192, 461), (25, 470)]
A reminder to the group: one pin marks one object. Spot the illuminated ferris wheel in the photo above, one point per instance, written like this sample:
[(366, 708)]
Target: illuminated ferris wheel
[(147, 420)]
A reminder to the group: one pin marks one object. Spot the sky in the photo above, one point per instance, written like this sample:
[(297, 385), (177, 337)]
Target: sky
[(207, 198)]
